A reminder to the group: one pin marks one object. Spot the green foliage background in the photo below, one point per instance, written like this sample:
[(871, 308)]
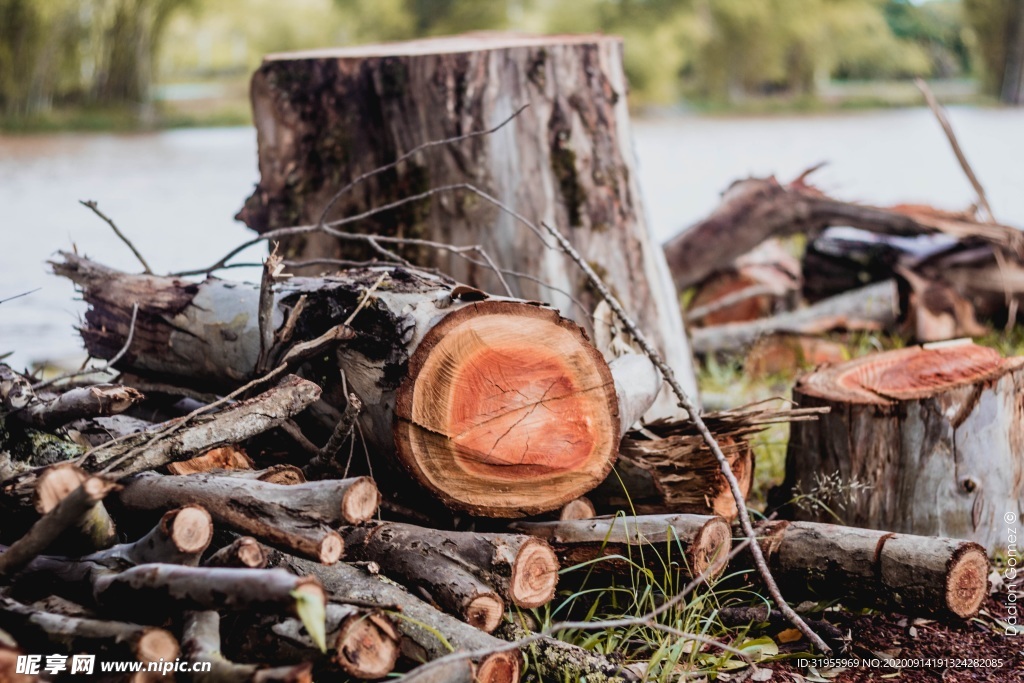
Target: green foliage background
[(120, 54)]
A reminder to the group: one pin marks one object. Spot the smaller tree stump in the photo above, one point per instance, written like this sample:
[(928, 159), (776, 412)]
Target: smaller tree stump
[(935, 433)]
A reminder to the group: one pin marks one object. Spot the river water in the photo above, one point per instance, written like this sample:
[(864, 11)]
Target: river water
[(175, 193)]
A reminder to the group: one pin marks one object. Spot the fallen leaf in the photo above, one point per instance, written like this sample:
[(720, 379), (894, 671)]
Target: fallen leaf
[(790, 635)]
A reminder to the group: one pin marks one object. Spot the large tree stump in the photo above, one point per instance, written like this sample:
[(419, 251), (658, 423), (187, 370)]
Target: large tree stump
[(324, 118), (936, 433), (496, 406)]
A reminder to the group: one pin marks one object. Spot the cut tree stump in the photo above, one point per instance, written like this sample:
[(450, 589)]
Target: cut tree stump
[(936, 433), (498, 407), (325, 118)]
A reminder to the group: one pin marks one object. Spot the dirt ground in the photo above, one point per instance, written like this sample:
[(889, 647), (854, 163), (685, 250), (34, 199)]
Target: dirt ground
[(896, 636)]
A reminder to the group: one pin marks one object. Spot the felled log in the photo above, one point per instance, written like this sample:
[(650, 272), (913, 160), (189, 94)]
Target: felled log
[(874, 307), (581, 508), (201, 642), (567, 159), (923, 440), (361, 643), (689, 543), (469, 574), (916, 575), (181, 537), (296, 518), (756, 209), (422, 624), (539, 427), (40, 631), (70, 511), (99, 400), (359, 500), (93, 531), (244, 551)]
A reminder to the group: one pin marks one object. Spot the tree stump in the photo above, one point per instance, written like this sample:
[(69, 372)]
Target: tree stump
[(325, 118), (936, 432)]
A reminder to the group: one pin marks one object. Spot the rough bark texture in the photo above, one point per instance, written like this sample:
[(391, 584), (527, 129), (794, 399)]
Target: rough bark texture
[(911, 574), (324, 118), (421, 624), (39, 631), (935, 433), (560, 660), (456, 567), (691, 543), (279, 515), (201, 642), (477, 399)]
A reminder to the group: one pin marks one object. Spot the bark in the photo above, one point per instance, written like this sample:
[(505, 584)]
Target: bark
[(326, 118), (559, 660), (690, 543), (923, 440), (756, 209), (15, 391), (910, 574), (68, 512), (155, 590), (875, 307), (469, 574), (201, 643), (181, 537), (362, 643), (296, 518), (99, 400), (499, 450), (290, 475), (143, 452), (40, 631), (455, 671), (95, 530), (244, 551), (420, 623)]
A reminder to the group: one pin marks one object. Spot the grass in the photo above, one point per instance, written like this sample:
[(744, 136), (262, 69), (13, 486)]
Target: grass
[(655, 573)]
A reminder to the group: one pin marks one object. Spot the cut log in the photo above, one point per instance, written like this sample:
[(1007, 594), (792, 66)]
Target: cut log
[(567, 159), (41, 631), (468, 573), (915, 575), (243, 552), (875, 307), (690, 543), (581, 508), (293, 517), (422, 626), (923, 440), (224, 458), (95, 530), (78, 403), (497, 407), (201, 643), (362, 643), (361, 498), (181, 537)]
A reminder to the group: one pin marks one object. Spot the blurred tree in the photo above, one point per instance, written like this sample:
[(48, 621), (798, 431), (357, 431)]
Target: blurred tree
[(938, 26), (999, 29)]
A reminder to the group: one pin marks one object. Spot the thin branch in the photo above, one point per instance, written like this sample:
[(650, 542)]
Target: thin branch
[(124, 238), (107, 367), (18, 296), (947, 128)]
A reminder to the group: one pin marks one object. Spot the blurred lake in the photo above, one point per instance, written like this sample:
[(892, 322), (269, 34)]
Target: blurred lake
[(175, 193)]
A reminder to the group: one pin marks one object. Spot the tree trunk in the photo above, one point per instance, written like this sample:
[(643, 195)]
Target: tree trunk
[(912, 574), (924, 440), (496, 406), (325, 118)]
